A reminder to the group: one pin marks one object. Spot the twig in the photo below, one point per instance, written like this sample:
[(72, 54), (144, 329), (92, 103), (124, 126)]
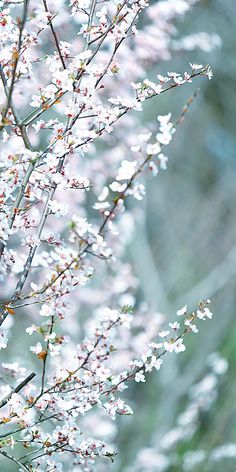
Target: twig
[(90, 21), (11, 88), (17, 389), (22, 466), (27, 144), (55, 37)]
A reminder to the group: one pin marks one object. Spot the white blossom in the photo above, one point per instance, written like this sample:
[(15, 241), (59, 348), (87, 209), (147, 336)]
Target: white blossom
[(126, 170)]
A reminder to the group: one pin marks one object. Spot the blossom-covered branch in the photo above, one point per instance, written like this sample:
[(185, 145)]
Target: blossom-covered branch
[(68, 169)]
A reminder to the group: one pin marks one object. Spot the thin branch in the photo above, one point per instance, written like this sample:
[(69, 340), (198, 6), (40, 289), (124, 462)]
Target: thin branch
[(19, 387), (46, 356), (13, 459), (27, 144), (11, 88), (90, 22), (55, 37)]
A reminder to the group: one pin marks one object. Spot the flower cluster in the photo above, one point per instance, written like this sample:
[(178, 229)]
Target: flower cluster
[(89, 381)]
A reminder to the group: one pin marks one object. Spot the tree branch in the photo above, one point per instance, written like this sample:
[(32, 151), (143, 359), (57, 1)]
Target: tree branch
[(19, 387)]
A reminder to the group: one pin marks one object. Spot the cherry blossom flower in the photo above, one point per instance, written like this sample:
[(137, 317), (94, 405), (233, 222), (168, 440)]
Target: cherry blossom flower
[(182, 311), (126, 170), (139, 376), (204, 313)]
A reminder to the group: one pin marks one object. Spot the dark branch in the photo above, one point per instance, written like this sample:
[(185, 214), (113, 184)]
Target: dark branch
[(17, 389)]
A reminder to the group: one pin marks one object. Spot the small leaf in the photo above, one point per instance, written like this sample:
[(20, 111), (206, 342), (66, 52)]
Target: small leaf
[(42, 355), (10, 310)]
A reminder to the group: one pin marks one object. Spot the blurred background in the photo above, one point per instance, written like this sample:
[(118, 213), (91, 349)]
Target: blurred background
[(184, 250)]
